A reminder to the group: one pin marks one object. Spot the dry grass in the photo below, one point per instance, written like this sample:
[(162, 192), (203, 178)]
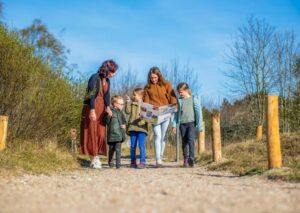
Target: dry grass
[(29, 157), (250, 158), (245, 158), (35, 158)]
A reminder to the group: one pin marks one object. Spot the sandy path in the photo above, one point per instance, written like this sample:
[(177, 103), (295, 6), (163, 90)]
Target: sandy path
[(170, 189)]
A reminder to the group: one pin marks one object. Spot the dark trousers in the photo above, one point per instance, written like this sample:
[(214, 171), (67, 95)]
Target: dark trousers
[(187, 131), (114, 146)]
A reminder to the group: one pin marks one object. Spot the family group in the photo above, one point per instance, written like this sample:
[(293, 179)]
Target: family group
[(103, 121)]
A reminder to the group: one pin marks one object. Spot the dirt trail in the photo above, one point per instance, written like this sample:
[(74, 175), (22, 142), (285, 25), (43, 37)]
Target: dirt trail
[(169, 189)]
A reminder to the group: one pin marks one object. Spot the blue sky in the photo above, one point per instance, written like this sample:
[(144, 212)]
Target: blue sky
[(144, 33)]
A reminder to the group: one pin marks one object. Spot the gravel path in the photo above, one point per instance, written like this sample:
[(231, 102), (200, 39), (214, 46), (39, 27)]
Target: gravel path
[(169, 189)]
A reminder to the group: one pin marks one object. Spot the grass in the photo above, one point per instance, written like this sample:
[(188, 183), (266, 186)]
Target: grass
[(244, 158), (35, 158), (250, 158)]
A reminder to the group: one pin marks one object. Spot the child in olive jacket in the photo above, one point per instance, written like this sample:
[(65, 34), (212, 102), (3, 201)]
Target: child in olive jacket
[(137, 128), (116, 125)]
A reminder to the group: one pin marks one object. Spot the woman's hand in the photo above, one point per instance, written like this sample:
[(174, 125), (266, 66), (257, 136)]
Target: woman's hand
[(108, 111), (123, 126), (92, 115), (174, 130)]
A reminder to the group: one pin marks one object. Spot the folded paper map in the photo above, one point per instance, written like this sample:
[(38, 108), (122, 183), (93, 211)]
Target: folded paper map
[(156, 115)]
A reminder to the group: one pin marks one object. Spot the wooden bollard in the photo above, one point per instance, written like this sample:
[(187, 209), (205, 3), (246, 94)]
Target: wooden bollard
[(216, 136), (3, 131), (273, 138), (259, 133), (201, 140), (73, 140)]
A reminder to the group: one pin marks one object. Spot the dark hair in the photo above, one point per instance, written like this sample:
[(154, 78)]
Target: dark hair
[(184, 86), (156, 71), (108, 66)]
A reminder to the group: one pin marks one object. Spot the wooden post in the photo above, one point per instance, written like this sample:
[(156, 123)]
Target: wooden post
[(273, 138), (3, 131), (201, 140), (259, 133), (73, 140), (216, 136), (177, 143)]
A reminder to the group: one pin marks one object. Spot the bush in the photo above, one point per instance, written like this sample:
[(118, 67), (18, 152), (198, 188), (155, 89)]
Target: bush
[(39, 102)]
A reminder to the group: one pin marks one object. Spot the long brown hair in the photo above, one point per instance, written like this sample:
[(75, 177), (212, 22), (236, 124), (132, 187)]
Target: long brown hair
[(156, 71), (184, 86)]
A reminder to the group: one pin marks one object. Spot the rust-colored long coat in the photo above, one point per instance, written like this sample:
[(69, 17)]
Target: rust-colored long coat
[(93, 133)]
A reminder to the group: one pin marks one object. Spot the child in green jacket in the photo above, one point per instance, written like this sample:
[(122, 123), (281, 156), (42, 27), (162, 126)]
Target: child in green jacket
[(116, 125)]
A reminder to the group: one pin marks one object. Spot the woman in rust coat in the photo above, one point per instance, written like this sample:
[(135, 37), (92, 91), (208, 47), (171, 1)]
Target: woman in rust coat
[(96, 105)]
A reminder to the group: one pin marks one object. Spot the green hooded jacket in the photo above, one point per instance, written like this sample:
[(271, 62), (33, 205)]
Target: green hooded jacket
[(114, 132), (135, 123)]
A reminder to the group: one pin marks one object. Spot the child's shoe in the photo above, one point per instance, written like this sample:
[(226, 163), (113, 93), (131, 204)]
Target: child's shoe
[(185, 163), (133, 164), (111, 164), (191, 162), (142, 165)]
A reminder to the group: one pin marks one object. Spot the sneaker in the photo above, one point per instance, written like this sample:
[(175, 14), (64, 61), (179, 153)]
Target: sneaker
[(118, 166), (191, 162), (98, 161), (92, 164), (185, 163), (96, 165), (159, 165), (133, 165), (141, 166), (111, 164)]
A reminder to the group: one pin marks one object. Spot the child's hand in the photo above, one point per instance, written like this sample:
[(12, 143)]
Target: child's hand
[(174, 130), (123, 126), (128, 98)]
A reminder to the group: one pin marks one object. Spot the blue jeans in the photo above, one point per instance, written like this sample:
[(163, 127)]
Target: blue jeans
[(159, 139), (135, 138)]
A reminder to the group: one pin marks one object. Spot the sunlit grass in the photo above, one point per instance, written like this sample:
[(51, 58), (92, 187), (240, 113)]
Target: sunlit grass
[(36, 158), (250, 158)]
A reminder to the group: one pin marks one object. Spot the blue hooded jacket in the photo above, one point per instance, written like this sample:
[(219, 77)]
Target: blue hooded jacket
[(197, 112)]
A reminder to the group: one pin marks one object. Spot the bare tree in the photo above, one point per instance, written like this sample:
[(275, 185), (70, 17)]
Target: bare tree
[(177, 74), (250, 57), (125, 82), (285, 60), (298, 68)]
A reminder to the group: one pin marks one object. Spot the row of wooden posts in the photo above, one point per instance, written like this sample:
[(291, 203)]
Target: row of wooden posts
[(273, 138)]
